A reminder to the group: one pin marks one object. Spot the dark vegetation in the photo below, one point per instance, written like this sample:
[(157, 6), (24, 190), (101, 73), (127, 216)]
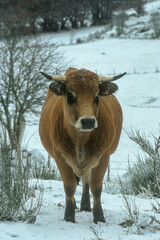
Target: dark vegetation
[(32, 16)]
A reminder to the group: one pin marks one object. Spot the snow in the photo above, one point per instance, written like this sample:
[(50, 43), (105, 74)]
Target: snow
[(139, 95), (50, 224), (138, 27), (69, 37), (152, 6), (135, 20)]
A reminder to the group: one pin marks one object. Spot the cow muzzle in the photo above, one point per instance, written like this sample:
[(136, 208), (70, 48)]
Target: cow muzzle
[(86, 124)]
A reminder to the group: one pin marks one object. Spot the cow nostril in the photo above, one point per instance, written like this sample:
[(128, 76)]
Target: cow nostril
[(88, 123)]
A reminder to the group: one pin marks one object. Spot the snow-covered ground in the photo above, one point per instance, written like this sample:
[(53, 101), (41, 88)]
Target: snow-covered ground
[(139, 95), (51, 226)]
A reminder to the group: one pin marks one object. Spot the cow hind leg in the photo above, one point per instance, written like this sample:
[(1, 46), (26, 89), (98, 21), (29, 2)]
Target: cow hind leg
[(85, 201), (77, 179)]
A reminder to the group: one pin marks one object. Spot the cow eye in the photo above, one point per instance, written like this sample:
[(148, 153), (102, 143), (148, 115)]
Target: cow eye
[(71, 98), (96, 100)]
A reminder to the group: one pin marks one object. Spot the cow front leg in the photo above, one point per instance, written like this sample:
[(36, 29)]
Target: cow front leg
[(70, 183), (96, 182), (85, 201), (69, 215), (97, 208)]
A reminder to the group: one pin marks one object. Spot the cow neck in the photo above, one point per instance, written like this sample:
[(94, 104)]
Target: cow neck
[(79, 140), (80, 147), (78, 137)]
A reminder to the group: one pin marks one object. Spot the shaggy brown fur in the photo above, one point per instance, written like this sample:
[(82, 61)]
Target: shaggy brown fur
[(81, 153)]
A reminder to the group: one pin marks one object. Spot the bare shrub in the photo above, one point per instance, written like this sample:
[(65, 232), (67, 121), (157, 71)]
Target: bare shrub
[(19, 198), (46, 171), (119, 22), (136, 221), (144, 175), (37, 166), (155, 20), (22, 86)]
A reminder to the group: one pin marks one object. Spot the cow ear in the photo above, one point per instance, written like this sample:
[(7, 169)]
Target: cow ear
[(107, 88), (58, 88)]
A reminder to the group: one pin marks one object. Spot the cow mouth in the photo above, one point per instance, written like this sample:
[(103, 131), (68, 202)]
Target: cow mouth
[(85, 130)]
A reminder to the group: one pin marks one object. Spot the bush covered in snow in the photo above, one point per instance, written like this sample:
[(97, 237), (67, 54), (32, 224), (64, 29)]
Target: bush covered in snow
[(144, 175)]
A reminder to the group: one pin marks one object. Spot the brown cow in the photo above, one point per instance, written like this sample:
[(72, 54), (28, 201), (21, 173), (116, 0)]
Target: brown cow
[(80, 127)]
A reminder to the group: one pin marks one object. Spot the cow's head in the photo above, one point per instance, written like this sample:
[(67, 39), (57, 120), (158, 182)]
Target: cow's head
[(82, 90)]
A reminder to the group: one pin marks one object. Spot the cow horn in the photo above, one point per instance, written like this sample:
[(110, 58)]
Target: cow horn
[(110, 79), (54, 78), (59, 78)]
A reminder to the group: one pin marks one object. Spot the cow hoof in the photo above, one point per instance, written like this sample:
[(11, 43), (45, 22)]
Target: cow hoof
[(69, 215), (69, 219), (85, 208), (98, 215), (100, 219)]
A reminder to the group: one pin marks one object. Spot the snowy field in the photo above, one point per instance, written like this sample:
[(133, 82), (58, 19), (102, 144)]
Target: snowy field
[(139, 95), (138, 90)]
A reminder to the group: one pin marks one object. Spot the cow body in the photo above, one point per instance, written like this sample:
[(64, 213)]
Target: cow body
[(80, 128)]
